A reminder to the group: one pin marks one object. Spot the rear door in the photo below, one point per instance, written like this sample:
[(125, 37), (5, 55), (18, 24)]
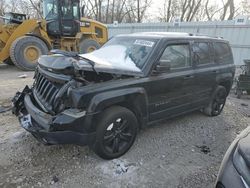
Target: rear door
[(171, 91), (205, 72)]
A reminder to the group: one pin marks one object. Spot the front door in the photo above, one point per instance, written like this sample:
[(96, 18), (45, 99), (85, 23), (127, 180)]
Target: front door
[(171, 90)]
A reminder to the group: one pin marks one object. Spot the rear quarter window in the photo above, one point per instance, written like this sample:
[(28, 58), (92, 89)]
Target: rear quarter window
[(202, 53), (222, 53)]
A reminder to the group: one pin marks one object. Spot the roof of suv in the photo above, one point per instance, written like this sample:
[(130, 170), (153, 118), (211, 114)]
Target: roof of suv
[(170, 35)]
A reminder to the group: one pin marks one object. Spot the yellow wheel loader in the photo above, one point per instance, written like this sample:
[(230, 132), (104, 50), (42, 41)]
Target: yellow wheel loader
[(23, 40)]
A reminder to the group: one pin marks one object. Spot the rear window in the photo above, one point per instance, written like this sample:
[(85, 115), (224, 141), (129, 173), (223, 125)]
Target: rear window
[(222, 53), (202, 53)]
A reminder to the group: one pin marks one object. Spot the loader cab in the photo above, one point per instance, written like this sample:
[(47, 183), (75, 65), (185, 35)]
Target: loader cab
[(11, 17), (63, 17)]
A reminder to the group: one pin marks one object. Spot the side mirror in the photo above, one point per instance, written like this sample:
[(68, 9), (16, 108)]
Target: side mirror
[(163, 66), (160, 68)]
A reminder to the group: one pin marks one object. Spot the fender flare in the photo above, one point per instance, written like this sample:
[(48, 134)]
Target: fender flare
[(136, 99)]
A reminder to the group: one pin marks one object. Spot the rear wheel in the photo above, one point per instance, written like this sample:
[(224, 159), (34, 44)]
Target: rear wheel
[(217, 103), (88, 45), (116, 132), (25, 51)]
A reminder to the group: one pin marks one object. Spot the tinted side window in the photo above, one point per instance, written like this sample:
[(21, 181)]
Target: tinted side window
[(202, 53), (176, 56), (222, 53)]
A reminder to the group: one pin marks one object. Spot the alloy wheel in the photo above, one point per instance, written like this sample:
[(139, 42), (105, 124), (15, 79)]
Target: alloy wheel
[(118, 136)]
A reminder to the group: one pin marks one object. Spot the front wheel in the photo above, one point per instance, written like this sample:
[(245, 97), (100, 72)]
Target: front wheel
[(116, 132), (217, 103), (88, 45), (26, 50)]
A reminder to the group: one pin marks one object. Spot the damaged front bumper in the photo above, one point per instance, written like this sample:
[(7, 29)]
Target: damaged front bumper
[(68, 127)]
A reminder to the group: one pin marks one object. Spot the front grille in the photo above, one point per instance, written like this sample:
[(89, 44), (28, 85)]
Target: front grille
[(45, 92)]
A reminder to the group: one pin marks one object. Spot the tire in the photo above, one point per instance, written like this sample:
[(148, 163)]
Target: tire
[(217, 103), (25, 51), (8, 61), (115, 133), (88, 45)]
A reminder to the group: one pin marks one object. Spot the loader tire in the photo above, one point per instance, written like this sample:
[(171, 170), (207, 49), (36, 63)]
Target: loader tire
[(88, 45), (26, 50), (8, 61)]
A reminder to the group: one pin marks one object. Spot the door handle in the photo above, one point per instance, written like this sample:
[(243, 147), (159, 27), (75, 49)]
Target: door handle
[(188, 77), (215, 71)]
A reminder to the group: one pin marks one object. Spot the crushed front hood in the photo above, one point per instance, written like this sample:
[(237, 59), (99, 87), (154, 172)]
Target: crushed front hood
[(67, 65), (57, 63)]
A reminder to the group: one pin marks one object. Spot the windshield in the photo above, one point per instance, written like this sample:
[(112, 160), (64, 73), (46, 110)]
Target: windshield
[(50, 9), (124, 52), (70, 9)]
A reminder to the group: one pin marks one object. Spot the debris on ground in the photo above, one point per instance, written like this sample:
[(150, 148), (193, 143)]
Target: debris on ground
[(117, 167), (23, 76), (121, 168), (244, 104), (204, 149), (5, 109), (54, 180)]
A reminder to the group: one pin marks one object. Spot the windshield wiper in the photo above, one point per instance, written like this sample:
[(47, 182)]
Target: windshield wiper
[(76, 56)]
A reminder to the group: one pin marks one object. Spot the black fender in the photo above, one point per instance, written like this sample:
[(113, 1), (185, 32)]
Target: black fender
[(135, 99)]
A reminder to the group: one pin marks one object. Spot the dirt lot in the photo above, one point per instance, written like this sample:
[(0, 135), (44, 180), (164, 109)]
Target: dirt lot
[(182, 152)]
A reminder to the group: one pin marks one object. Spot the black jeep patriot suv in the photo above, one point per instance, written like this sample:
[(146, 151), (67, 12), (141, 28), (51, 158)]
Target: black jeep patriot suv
[(103, 98)]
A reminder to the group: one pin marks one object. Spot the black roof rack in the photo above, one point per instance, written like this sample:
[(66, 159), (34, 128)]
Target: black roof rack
[(198, 34)]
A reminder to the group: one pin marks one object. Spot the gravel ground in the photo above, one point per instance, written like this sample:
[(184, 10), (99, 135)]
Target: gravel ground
[(182, 152)]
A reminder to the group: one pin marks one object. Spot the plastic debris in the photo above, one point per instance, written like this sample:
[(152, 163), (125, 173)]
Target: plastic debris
[(23, 76)]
